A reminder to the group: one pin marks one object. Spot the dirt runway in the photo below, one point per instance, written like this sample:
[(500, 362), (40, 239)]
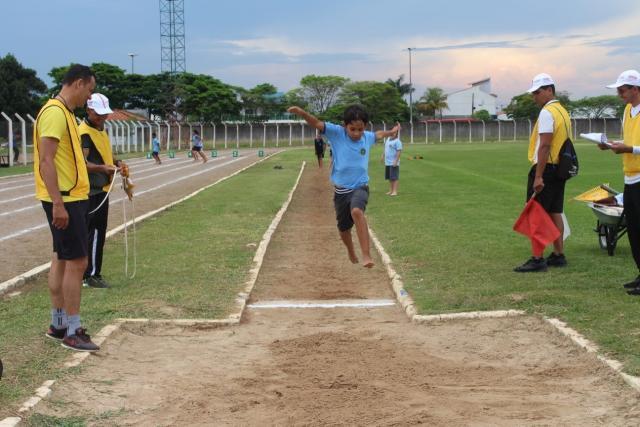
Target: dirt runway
[(340, 366)]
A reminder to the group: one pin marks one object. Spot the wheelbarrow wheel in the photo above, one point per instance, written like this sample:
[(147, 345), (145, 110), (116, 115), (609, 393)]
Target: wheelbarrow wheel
[(602, 235), (612, 239)]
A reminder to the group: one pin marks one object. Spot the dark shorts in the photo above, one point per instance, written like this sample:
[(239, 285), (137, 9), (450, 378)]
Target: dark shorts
[(73, 241), (343, 203), (196, 148), (552, 196), (391, 173), (320, 154), (155, 153)]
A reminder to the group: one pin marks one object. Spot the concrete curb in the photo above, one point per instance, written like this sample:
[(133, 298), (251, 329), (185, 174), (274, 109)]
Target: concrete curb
[(243, 296), (22, 278)]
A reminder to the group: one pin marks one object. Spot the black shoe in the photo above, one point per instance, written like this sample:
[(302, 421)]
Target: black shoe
[(554, 260), (56, 334), (533, 264), (105, 284), (80, 341), (632, 284), (95, 282), (634, 291)]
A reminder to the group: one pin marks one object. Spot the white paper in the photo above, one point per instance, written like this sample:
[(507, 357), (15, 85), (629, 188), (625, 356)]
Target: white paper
[(598, 138), (567, 229)]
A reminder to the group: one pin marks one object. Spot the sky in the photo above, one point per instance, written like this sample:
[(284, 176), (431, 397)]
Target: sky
[(582, 44)]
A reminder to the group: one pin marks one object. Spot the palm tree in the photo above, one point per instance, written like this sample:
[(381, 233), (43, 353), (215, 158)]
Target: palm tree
[(402, 88), (434, 100)]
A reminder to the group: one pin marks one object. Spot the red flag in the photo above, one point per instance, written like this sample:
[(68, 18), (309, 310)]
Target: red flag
[(535, 223)]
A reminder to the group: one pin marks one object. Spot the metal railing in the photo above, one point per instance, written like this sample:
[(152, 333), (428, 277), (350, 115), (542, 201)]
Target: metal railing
[(136, 136)]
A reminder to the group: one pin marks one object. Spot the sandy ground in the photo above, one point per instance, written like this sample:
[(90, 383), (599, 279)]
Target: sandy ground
[(344, 366)]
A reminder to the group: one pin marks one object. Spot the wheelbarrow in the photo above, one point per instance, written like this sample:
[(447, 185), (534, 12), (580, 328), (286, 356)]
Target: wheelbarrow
[(610, 226)]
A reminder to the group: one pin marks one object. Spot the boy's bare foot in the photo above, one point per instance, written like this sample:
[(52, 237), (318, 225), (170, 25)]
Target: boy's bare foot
[(387, 193), (353, 258), (368, 263), (393, 194)]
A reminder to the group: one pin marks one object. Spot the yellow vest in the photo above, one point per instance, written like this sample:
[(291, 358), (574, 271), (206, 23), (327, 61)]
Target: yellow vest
[(631, 133), (73, 180), (101, 141), (561, 131)]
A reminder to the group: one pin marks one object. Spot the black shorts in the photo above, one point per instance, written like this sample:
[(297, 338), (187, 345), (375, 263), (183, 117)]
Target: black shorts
[(343, 203), (391, 173), (320, 154), (552, 196), (196, 148), (73, 241)]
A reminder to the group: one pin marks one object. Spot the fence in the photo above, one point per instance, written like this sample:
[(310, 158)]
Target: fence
[(136, 136)]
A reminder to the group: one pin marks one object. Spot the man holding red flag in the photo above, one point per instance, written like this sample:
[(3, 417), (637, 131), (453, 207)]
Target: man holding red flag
[(542, 218)]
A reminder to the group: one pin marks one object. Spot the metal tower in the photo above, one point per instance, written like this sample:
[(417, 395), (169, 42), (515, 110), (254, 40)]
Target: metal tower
[(172, 36)]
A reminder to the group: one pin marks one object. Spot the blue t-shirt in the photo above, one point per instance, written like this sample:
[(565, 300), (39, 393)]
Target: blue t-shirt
[(196, 140), (156, 145), (391, 148), (350, 158)]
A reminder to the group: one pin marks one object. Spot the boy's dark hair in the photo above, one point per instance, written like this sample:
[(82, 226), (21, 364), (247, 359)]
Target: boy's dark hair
[(153, 135), (77, 72), (196, 132), (355, 112), (553, 88)]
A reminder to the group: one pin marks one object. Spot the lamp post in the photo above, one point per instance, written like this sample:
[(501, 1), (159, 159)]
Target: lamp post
[(132, 55), (410, 90)]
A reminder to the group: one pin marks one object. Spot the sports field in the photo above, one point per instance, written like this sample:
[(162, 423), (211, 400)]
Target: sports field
[(448, 234)]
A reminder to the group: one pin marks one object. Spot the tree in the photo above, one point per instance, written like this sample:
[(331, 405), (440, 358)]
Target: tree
[(320, 92), (402, 88), (21, 89), (522, 107), (433, 101), (481, 115), (204, 98), (381, 100), (262, 99), (598, 107), (110, 81)]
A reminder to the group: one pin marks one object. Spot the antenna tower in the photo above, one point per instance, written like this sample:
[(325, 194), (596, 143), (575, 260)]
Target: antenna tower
[(172, 44)]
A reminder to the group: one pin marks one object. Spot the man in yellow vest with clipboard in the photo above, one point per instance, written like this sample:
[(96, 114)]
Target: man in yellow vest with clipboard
[(628, 87), (101, 165), (62, 185)]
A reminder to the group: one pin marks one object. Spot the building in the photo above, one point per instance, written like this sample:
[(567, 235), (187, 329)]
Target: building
[(465, 102)]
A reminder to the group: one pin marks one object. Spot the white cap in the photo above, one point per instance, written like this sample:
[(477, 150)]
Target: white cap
[(542, 79), (629, 77), (99, 103)]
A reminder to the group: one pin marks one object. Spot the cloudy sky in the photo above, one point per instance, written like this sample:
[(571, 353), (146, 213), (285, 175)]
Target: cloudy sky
[(583, 44)]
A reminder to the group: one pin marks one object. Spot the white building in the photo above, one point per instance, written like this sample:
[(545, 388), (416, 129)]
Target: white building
[(465, 102)]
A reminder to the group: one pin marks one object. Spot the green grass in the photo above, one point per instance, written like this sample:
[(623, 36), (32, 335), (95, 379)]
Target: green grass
[(192, 261), (450, 236)]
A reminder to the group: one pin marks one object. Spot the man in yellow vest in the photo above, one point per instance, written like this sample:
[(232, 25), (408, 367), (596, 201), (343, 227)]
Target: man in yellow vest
[(101, 165), (551, 130), (62, 185), (628, 87)]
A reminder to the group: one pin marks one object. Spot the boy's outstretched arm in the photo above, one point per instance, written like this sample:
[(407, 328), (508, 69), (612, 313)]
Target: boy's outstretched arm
[(380, 134), (311, 120)]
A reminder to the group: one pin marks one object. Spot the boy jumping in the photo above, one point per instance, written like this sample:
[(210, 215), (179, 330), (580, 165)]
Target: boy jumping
[(349, 172)]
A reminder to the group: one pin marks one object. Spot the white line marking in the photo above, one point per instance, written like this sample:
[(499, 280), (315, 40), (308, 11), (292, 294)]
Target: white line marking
[(357, 303)]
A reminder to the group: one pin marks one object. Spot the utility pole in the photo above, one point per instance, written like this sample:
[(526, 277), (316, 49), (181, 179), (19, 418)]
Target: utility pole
[(410, 90)]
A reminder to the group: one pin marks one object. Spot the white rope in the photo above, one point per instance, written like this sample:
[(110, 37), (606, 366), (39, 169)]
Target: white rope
[(106, 196), (126, 239)]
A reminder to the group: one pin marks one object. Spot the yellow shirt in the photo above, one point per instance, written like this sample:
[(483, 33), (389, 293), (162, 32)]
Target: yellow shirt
[(631, 133), (57, 122)]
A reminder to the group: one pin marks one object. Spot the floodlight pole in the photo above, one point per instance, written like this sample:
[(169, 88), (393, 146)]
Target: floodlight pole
[(132, 55)]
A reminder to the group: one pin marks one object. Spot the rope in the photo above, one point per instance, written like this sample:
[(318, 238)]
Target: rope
[(106, 195), (126, 240)]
